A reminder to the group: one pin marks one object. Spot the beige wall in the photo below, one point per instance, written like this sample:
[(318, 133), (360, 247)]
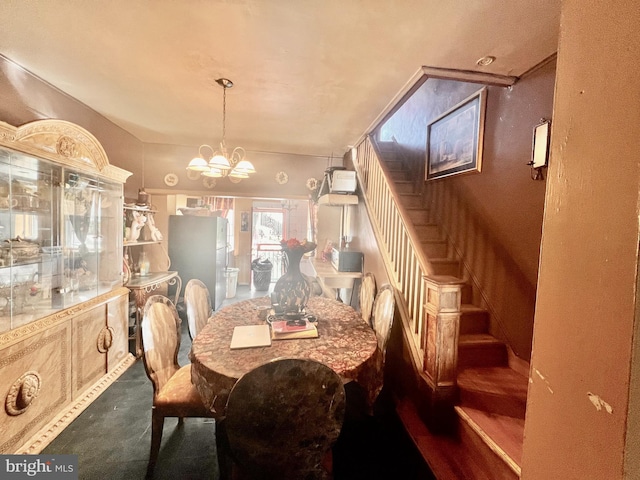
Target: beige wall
[(584, 352), (242, 248), (25, 98), (160, 159)]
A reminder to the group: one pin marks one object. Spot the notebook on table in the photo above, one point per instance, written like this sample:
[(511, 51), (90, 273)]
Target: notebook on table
[(249, 336), (282, 330)]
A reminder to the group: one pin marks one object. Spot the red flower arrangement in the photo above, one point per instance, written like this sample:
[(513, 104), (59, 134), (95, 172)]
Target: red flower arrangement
[(295, 244)]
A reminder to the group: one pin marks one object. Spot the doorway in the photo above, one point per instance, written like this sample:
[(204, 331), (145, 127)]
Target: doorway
[(273, 221)]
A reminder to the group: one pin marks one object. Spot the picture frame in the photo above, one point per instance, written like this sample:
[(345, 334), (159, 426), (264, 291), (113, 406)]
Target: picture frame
[(540, 144), (244, 221), (455, 139)]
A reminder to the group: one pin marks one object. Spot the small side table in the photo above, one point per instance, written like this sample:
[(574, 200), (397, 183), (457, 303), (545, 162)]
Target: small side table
[(331, 280), (142, 287)]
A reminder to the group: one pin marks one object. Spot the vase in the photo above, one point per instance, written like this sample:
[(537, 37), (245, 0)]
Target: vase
[(292, 290), (143, 264)]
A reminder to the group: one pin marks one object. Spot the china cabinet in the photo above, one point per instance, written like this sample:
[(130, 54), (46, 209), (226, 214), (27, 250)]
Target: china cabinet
[(63, 307), (142, 243)]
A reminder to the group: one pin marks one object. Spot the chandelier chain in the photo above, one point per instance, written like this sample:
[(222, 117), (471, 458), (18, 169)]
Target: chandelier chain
[(224, 112)]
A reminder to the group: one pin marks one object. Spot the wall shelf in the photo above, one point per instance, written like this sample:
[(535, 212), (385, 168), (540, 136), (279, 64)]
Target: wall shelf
[(338, 199)]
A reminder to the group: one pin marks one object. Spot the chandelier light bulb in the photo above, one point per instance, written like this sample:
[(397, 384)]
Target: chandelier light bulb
[(220, 162), (198, 164), (236, 174), (212, 172), (244, 166)]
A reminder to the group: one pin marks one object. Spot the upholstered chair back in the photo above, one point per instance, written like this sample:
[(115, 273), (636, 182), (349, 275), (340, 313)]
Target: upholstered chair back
[(283, 417), (367, 296), (197, 301), (160, 340), (382, 316)]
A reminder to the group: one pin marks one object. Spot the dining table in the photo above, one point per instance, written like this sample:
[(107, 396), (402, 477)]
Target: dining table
[(345, 343)]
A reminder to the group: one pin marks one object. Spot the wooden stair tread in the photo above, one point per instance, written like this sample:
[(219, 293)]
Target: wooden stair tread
[(494, 390), (479, 339), (433, 240), (444, 260), (494, 380), (471, 308), (481, 350), (504, 435), (446, 456)]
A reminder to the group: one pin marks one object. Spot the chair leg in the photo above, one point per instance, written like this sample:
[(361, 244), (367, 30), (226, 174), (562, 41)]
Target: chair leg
[(225, 464), (157, 425)]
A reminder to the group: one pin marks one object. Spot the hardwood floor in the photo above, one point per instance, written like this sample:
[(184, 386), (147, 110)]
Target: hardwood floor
[(487, 440)]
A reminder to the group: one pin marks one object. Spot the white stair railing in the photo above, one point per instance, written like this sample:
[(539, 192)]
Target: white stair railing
[(429, 305)]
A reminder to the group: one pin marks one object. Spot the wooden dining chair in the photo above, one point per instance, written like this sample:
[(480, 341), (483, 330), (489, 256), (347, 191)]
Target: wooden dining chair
[(197, 301), (173, 393), (382, 316), (382, 313), (367, 296), (282, 419)]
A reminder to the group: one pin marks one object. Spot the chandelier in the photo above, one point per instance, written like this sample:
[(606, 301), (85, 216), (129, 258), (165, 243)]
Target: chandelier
[(219, 163)]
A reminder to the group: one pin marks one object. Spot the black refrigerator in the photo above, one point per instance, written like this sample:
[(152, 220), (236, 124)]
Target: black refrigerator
[(198, 249)]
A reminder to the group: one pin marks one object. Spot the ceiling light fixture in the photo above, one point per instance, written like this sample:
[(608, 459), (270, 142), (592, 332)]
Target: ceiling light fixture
[(220, 163), (484, 61)]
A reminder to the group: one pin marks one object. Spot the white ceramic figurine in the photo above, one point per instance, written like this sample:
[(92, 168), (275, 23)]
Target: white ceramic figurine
[(137, 223)]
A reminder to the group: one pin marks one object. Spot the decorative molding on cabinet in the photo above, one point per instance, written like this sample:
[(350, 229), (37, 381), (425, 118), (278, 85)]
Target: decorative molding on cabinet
[(20, 333), (63, 142), (49, 432)]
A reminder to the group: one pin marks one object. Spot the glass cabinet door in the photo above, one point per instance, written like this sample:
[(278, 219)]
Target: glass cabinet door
[(111, 237), (28, 235), (61, 233), (91, 216), (60, 238)]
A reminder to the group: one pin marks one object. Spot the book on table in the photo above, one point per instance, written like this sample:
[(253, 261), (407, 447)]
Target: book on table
[(283, 330), (249, 336)]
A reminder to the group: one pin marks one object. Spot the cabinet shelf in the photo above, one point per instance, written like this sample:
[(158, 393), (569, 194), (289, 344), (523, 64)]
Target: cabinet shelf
[(154, 278), (19, 263), (141, 242), (139, 209), (338, 199), (141, 286)]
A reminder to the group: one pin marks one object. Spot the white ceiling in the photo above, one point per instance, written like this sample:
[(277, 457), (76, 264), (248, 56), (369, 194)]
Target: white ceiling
[(310, 75)]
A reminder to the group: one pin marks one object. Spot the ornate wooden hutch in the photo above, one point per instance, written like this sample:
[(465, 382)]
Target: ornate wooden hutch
[(63, 307)]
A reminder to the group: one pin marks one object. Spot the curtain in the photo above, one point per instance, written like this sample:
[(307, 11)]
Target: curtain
[(221, 204), (313, 221)]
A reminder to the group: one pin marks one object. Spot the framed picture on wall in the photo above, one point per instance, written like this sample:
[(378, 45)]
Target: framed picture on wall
[(244, 221), (454, 139), (540, 148)]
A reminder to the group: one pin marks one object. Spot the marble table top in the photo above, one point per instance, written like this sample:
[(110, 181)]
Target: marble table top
[(345, 343)]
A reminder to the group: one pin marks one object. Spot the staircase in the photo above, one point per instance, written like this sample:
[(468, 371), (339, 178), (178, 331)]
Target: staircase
[(486, 442)]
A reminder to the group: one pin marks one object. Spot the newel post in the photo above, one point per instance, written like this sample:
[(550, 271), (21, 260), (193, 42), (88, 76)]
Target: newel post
[(440, 361)]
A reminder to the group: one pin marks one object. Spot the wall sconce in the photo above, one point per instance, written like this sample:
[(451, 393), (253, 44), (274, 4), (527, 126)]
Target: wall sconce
[(540, 148)]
